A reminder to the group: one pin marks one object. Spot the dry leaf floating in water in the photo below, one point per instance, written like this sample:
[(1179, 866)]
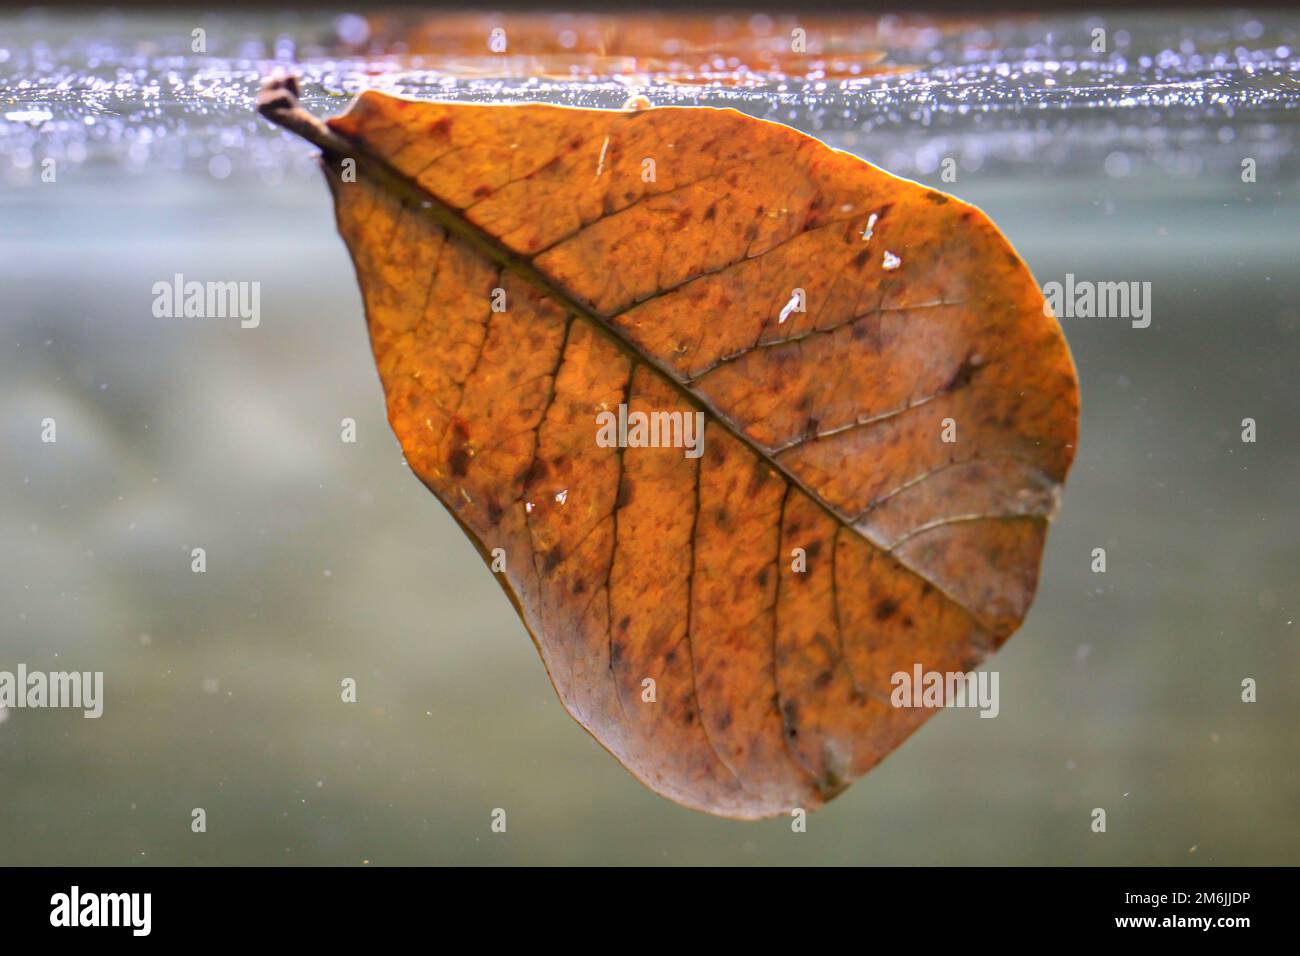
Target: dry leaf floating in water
[(887, 417)]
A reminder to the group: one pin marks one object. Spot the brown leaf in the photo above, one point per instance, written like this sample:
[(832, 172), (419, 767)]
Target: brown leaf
[(824, 427)]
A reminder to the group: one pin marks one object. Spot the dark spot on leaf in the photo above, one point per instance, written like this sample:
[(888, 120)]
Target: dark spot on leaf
[(552, 560), (962, 376), (459, 462), (885, 609), (790, 714), (936, 198)]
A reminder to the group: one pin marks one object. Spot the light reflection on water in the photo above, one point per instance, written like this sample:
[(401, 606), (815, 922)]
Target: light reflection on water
[(1175, 94)]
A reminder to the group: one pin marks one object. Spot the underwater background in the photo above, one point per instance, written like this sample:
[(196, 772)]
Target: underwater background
[(329, 560)]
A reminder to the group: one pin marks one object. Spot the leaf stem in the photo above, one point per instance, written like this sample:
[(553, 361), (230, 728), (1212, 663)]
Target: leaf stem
[(278, 102)]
